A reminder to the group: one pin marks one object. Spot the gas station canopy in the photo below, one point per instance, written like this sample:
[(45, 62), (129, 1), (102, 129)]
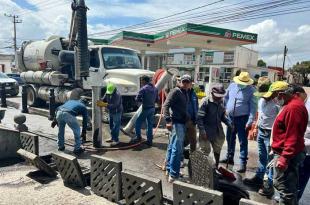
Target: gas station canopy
[(184, 36)]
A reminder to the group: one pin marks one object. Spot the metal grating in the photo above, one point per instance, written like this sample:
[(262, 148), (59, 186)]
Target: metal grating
[(140, 189), (69, 169), (29, 142), (106, 178), (184, 193), (202, 170)]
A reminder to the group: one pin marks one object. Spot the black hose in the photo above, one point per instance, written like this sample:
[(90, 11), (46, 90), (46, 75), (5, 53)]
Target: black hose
[(82, 43)]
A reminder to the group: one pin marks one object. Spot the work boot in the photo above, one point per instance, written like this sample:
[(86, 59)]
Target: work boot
[(171, 179), (135, 140), (109, 140), (266, 190), (230, 161), (242, 168), (149, 143), (113, 144), (254, 181), (79, 151), (217, 159)]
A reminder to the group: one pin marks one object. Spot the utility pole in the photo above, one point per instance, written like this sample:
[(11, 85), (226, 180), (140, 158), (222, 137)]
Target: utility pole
[(15, 21), (284, 56)]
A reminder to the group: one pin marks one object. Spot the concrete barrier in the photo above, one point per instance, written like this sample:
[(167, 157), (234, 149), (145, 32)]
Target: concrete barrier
[(141, 189), (184, 193), (9, 143), (69, 169), (30, 142), (202, 169), (249, 202), (106, 178), (36, 161)]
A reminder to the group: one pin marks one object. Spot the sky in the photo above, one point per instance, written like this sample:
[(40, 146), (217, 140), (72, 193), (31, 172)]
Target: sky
[(43, 18)]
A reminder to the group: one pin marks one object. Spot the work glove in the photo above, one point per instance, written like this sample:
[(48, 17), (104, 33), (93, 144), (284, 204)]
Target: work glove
[(54, 123), (101, 104), (281, 165)]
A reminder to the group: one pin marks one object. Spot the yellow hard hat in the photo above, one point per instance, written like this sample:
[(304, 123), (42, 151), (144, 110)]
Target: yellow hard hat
[(276, 86)]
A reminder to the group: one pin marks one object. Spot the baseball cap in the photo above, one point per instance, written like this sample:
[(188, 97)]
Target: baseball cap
[(110, 88), (276, 86), (218, 90), (186, 77)]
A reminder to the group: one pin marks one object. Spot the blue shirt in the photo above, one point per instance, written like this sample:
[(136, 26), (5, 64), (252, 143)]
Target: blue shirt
[(75, 108), (192, 106), (267, 113), (147, 95), (115, 103), (246, 103)]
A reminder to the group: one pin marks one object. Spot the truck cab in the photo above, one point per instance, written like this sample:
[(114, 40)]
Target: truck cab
[(120, 66)]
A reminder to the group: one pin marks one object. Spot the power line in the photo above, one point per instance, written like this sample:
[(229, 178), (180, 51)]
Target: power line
[(235, 13), (147, 22)]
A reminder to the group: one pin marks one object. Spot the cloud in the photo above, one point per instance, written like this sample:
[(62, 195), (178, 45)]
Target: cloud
[(272, 39)]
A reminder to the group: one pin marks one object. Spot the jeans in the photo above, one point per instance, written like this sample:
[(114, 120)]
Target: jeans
[(64, 118), (148, 115), (239, 127), (286, 182), (175, 149), (263, 142), (115, 124), (304, 174)]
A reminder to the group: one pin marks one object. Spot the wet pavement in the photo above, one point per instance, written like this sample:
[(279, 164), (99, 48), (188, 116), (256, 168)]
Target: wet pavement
[(139, 159)]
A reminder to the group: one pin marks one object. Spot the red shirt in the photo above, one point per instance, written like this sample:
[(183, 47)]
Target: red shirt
[(288, 130)]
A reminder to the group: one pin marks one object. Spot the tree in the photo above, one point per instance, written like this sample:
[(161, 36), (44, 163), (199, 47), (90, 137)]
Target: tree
[(261, 63), (303, 68)]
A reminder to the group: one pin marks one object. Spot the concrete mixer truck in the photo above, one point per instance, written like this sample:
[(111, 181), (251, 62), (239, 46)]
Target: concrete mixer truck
[(72, 66)]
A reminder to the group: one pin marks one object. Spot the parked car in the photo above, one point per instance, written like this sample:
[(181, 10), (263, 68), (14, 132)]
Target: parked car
[(16, 77), (11, 85)]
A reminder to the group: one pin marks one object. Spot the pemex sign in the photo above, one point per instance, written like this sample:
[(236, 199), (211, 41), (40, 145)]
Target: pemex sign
[(240, 36)]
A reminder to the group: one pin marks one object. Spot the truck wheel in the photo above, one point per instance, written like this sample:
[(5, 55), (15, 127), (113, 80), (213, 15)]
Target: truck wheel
[(32, 98)]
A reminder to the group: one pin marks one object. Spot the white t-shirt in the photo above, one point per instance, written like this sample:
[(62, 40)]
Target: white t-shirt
[(267, 113)]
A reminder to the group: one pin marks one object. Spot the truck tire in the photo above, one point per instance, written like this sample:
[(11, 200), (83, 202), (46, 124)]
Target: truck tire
[(32, 98)]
